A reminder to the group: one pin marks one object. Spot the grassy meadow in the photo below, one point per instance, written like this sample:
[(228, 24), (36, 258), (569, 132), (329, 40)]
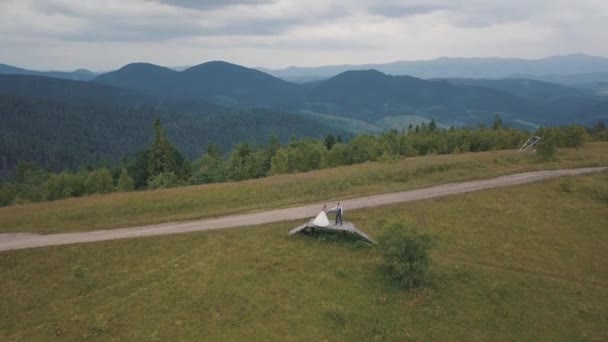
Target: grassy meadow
[(521, 263), (195, 202)]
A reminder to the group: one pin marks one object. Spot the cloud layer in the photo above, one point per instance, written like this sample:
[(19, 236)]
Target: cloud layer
[(64, 34)]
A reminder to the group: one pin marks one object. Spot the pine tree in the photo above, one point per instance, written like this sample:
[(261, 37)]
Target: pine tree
[(432, 126), (329, 141), (497, 123), (162, 153)]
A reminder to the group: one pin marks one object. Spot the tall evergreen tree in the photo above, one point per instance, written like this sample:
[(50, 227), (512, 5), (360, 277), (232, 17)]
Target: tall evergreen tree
[(162, 154)]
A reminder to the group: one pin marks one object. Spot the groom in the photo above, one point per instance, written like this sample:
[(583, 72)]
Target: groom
[(339, 211)]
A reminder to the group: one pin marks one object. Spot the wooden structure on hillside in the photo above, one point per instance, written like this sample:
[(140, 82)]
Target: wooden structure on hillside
[(530, 143), (346, 228)]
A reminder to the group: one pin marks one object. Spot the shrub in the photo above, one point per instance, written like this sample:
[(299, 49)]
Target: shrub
[(405, 253), (566, 186), (547, 146), (99, 181), (164, 180), (8, 192)]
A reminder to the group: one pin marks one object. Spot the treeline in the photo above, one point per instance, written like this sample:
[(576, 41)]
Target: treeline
[(161, 165)]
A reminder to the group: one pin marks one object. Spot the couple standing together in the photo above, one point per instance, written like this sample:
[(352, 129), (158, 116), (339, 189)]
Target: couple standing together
[(338, 209)]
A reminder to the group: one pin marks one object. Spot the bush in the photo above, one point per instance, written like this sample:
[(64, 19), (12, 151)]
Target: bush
[(547, 146), (65, 185), (164, 180), (99, 181), (8, 192), (405, 253)]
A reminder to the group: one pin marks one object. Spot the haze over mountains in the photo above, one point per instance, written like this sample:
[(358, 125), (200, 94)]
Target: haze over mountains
[(367, 95), (446, 67), (223, 103)]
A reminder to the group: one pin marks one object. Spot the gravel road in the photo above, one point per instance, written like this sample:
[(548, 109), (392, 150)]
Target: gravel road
[(15, 241)]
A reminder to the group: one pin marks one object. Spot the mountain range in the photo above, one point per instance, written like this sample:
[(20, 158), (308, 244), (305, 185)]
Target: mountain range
[(217, 82), (76, 75), (446, 67), (365, 95), (63, 122)]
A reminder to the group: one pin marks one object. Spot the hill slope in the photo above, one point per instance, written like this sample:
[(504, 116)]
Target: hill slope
[(372, 95), (67, 90), (76, 75), (60, 134)]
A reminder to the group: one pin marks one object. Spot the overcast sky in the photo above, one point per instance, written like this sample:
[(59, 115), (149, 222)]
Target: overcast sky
[(106, 34)]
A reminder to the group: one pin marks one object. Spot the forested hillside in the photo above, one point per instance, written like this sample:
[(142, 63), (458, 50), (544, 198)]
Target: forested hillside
[(367, 95), (62, 135), (70, 91)]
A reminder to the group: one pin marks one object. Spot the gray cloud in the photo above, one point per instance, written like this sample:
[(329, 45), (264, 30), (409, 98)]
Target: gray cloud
[(212, 4), (285, 32), (388, 9), (471, 13)]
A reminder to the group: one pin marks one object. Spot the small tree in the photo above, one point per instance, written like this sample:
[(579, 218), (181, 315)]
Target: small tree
[(405, 253), (432, 126), (547, 146), (125, 182), (497, 124), (329, 141), (576, 136)]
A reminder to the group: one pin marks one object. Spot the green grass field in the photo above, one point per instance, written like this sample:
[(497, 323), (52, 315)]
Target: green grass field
[(519, 263), (195, 202)]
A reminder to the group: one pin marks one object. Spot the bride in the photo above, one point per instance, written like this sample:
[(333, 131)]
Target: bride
[(321, 220)]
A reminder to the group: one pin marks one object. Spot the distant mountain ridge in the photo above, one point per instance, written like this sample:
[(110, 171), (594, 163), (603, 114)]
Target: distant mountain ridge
[(365, 95), (219, 82), (449, 67), (76, 75)]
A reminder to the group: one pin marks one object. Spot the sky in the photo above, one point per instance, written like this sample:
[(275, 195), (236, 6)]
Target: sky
[(103, 35)]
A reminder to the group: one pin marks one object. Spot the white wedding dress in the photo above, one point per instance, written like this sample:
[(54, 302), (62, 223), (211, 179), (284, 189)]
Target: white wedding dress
[(321, 220)]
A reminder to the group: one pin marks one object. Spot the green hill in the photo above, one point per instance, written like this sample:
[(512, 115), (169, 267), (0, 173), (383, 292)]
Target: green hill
[(218, 82)]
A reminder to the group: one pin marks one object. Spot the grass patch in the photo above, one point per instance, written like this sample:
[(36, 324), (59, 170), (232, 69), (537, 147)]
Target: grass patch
[(519, 263), (195, 202)]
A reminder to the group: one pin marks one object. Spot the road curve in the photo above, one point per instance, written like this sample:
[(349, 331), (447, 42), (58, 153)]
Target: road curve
[(15, 241)]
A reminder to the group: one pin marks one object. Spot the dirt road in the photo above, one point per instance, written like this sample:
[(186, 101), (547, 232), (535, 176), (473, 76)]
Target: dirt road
[(26, 240)]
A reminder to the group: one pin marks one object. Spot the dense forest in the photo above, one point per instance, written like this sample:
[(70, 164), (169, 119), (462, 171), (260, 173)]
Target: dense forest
[(63, 135), (161, 164)]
